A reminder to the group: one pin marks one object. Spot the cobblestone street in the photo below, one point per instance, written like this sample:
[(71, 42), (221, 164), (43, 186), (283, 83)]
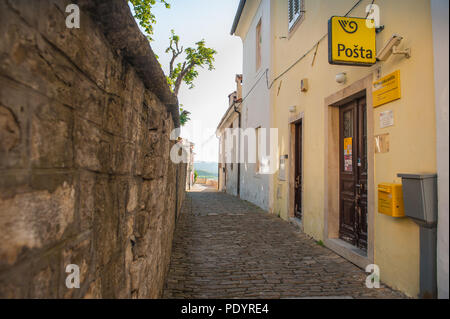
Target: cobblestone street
[(225, 247)]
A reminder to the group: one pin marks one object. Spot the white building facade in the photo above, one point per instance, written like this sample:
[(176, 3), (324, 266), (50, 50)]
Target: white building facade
[(253, 25)]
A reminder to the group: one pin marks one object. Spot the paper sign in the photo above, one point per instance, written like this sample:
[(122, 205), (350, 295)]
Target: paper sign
[(348, 143), (348, 158), (386, 119)]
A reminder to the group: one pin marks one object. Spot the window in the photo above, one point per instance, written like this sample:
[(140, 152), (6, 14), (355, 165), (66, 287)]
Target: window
[(258, 45), (296, 9)]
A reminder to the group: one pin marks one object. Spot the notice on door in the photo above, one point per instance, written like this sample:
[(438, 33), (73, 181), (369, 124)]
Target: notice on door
[(348, 159), (386, 89)]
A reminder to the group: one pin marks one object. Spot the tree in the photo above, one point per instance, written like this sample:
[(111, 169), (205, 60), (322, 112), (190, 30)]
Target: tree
[(199, 56), (194, 57), (143, 13)]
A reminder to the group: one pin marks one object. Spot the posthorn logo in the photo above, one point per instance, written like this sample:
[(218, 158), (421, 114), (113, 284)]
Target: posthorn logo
[(349, 27)]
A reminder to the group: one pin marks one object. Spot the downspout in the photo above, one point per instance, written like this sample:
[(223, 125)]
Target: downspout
[(239, 152)]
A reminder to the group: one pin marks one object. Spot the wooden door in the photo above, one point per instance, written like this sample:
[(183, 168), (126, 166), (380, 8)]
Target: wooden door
[(298, 170), (353, 173)]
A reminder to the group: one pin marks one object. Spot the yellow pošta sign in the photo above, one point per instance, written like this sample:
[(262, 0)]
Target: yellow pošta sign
[(386, 89), (351, 41)]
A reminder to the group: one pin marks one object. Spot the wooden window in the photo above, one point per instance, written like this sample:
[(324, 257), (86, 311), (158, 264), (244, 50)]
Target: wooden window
[(296, 9), (258, 45)]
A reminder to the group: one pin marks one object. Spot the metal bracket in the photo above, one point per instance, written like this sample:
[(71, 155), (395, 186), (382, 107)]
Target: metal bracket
[(405, 52)]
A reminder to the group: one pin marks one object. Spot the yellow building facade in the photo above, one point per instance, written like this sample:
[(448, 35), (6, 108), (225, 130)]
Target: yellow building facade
[(308, 95)]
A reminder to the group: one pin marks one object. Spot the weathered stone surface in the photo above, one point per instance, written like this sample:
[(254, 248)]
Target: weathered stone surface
[(225, 247), (9, 130), (34, 220), (85, 173)]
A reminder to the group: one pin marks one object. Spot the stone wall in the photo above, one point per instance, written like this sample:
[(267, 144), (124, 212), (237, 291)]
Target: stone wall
[(85, 174)]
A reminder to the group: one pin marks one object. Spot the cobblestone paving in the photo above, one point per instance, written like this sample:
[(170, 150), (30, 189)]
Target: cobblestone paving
[(228, 248)]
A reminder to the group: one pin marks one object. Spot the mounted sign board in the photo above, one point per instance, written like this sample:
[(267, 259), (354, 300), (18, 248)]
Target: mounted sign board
[(386, 119), (351, 41), (386, 89), (382, 143)]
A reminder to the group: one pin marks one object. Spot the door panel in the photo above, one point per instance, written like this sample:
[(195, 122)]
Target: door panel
[(353, 173), (298, 170)]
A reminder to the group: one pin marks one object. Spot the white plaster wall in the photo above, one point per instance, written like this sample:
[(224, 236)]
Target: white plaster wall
[(439, 12), (256, 105), (232, 170)]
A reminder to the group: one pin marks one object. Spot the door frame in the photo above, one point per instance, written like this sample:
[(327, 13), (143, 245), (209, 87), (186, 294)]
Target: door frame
[(293, 121), (357, 89)]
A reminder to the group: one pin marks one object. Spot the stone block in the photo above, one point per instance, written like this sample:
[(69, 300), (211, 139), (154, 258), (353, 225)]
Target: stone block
[(14, 106), (113, 121), (51, 136), (106, 220), (34, 220), (93, 148), (86, 200), (124, 156)]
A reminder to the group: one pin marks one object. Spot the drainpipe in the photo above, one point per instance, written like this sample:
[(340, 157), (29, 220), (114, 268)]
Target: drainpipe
[(239, 152)]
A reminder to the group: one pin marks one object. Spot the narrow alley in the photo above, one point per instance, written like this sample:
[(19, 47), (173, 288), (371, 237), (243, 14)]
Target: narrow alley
[(225, 247)]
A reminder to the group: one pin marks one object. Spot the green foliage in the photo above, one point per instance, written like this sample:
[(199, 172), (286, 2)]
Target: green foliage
[(320, 243), (195, 176), (184, 116), (187, 71), (143, 13), (194, 57)]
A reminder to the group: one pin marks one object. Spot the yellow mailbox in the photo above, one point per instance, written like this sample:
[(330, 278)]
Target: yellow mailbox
[(390, 200)]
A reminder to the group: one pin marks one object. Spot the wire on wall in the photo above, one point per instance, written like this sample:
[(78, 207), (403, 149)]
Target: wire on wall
[(314, 47)]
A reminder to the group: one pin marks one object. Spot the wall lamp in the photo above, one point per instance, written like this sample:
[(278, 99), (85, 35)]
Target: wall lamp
[(341, 77)]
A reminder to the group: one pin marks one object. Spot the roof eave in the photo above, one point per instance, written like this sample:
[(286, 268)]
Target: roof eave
[(237, 17)]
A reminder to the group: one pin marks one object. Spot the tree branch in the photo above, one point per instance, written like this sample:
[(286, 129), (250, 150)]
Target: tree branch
[(181, 76)]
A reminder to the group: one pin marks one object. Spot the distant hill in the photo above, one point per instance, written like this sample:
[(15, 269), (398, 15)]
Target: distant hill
[(207, 167), (203, 174)]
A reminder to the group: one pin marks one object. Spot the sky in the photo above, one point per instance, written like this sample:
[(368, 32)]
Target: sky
[(194, 20)]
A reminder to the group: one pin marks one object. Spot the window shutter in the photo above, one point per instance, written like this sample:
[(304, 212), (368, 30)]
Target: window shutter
[(296, 7), (291, 11), (295, 11)]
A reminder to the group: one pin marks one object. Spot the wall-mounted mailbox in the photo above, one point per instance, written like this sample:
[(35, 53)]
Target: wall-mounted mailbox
[(420, 195), (390, 200)]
